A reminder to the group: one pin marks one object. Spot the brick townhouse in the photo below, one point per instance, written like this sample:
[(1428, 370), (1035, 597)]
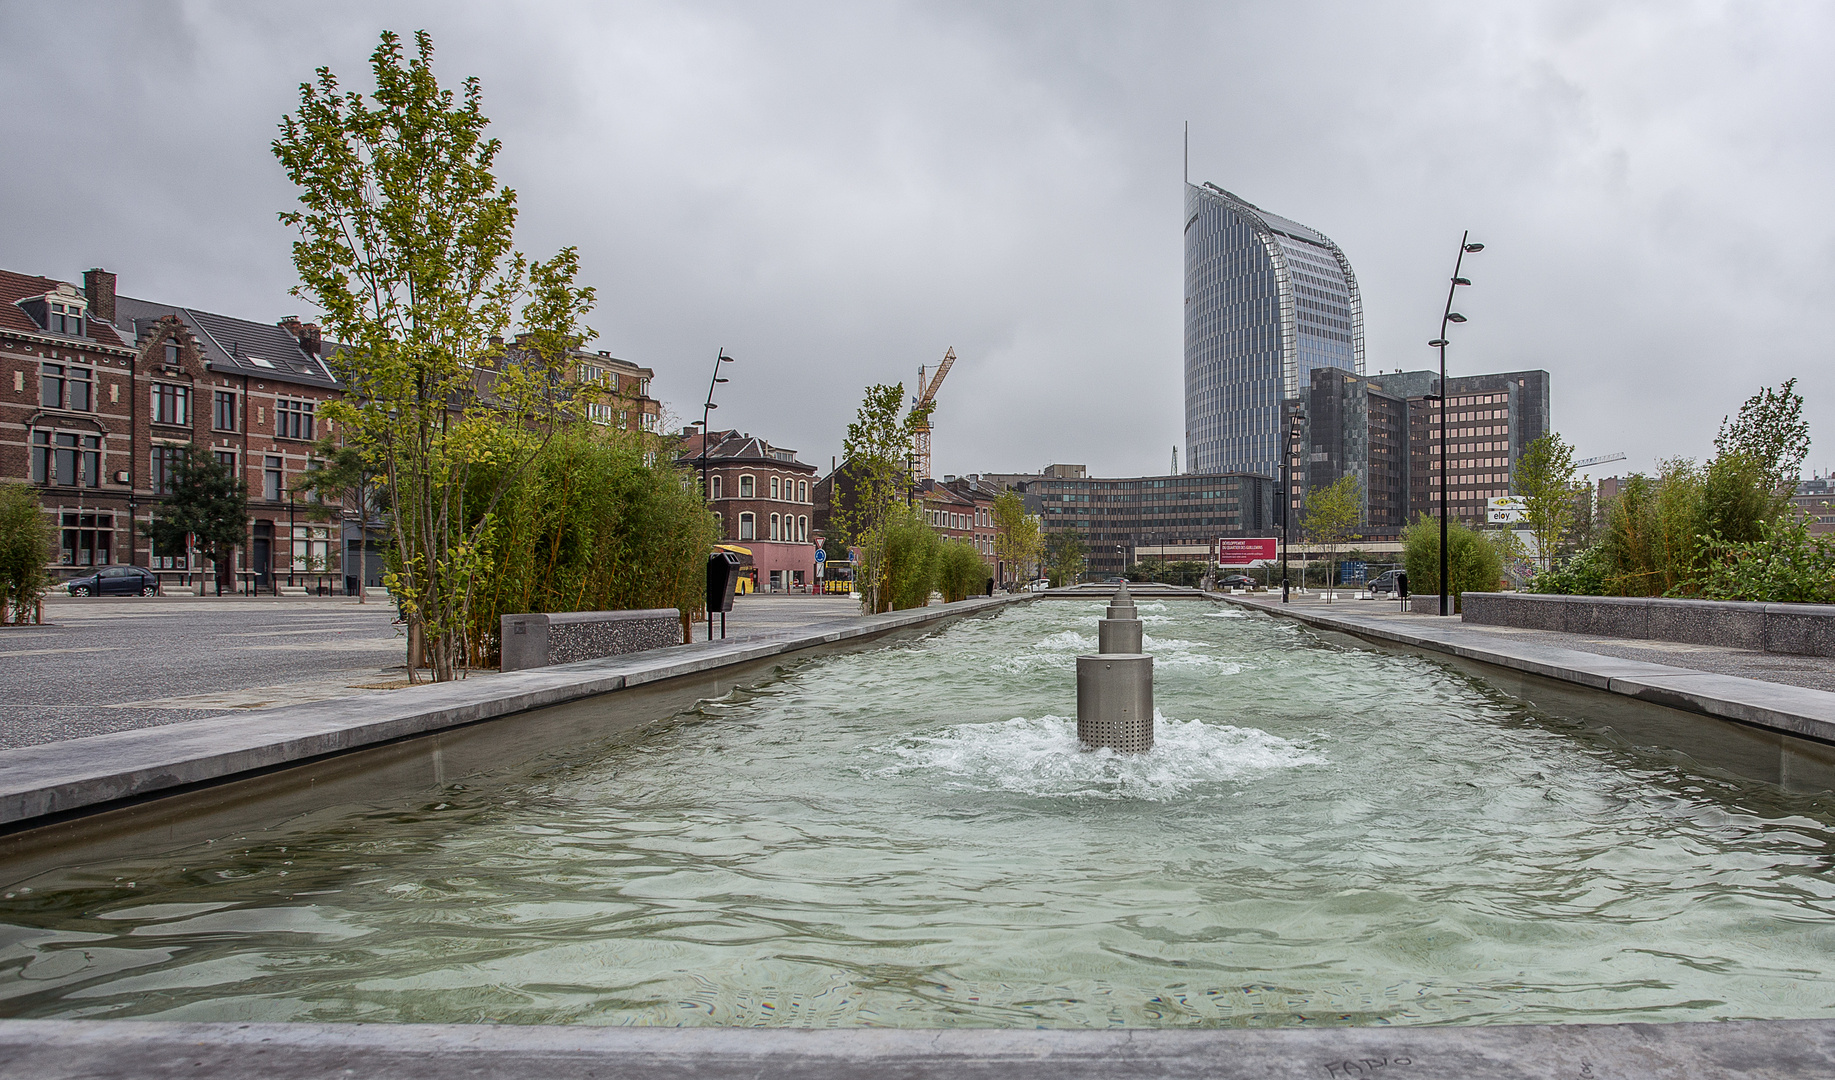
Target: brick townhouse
[(105, 390), (762, 496)]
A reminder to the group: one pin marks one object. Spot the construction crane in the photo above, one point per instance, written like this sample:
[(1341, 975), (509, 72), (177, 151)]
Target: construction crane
[(1600, 460), (922, 403)]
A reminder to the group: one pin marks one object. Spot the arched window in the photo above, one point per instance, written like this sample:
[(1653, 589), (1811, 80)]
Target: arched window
[(713, 484), (774, 487), (802, 491), (747, 527), (774, 534), (802, 530), (747, 486)]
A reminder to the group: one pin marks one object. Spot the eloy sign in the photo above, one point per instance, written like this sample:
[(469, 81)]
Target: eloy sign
[(1246, 552)]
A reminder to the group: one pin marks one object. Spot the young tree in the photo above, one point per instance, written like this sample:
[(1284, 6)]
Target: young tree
[(341, 480), (1064, 557), (207, 510), (1330, 520), (1545, 482), (878, 481), (26, 538), (1472, 560), (960, 571), (1016, 534), (1771, 431), (405, 244)]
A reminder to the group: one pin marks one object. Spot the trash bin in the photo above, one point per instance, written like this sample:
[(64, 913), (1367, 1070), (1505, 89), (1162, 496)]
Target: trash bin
[(1401, 586), (722, 576)]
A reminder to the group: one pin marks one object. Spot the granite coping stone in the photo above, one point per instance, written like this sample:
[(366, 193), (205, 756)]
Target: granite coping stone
[(166, 1050), (75, 774), (1792, 709), (1790, 629)]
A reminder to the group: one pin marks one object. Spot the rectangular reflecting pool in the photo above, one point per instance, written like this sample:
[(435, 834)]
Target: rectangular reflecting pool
[(909, 835)]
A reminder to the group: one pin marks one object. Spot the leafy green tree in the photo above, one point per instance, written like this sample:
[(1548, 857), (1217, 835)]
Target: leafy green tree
[(960, 571), (1330, 520), (1653, 533), (1785, 565), (207, 510), (1544, 480), (1016, 535), (1064, 557), (878, 483), (910, 551), (1770, 431), (26, 539), (1473, 562), (405, 243), (340, 480)]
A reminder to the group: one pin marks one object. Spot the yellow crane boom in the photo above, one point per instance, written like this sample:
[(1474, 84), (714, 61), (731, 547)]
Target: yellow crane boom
[(922, 403)]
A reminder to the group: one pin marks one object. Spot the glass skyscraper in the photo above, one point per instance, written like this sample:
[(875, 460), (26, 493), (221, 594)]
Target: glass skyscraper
[(1267, 300)]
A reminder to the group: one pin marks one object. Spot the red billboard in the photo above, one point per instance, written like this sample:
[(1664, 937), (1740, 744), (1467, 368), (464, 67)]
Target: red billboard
[(1247, 551)]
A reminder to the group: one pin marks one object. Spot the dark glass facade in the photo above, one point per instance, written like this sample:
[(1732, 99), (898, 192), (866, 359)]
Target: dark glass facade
[(1267, 300), (1119, 518)]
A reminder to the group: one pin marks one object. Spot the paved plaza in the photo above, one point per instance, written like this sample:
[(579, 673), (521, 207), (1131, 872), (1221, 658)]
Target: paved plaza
[(115, 663)]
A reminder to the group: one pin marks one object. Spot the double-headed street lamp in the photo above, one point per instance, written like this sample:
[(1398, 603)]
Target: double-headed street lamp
[(1294, 420), (707, 407), (1466, 246)]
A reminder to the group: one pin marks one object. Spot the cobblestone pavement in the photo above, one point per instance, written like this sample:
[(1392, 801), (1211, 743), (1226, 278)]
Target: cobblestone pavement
[(113, 663), (1810, 672)]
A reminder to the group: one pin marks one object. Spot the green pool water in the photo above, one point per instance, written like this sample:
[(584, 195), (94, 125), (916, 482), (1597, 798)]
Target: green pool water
[(910, 836)]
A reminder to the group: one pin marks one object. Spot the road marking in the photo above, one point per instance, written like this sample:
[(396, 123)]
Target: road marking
[(50, 652)]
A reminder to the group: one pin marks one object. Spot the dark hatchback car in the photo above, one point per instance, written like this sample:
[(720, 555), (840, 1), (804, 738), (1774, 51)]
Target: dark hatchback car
[(115, 581), (1237, 581)]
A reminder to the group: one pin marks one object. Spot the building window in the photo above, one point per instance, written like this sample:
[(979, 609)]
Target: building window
[(87, 538), (714, 486), (802, 530), (169, 560), (774, 488), (311, 549), (774, 532), (648, 420), (272, 474), (598, 412), (66, 388), (171, 404), (802, 491), (165, 467), (227, 459), (292, 419), (720, 525), (51, 385), (223, 418), (66, 459), (67, 319), (747, 486), (746, 527), (171, 352)]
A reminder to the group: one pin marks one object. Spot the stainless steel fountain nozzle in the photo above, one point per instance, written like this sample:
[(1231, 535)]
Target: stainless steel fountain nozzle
[(1115, 687)]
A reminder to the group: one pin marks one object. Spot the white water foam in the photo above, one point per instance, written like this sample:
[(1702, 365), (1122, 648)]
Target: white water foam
[(1226, 614), (1042, 757), (1069, 639)]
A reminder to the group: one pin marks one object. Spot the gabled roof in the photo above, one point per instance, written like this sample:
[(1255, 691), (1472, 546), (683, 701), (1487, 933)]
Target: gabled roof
[(232, 345), (731, 446), (16, 287)]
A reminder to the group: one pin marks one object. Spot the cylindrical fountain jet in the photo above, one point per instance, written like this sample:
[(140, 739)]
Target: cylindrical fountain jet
[(1115, 687)]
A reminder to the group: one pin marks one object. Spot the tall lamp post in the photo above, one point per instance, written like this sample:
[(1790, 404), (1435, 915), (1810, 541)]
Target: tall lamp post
[(1294, 421), (1466, 246), (708, 406)]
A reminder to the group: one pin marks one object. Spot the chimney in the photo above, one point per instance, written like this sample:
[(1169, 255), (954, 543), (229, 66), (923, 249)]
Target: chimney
[(309, 338), (99, 287)]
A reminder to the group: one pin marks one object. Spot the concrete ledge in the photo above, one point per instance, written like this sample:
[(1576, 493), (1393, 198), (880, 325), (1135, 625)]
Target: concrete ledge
[(38, 783), (1792, 710), (1797, 629), (43, 1049), (537, 640)]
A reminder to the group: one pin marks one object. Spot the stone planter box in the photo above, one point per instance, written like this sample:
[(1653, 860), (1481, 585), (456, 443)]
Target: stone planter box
[(1796, 629), (532, 641)]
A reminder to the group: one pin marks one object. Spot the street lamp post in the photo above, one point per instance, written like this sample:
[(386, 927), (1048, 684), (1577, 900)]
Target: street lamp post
[(708, 406), (1448, 316), (1293, 432)]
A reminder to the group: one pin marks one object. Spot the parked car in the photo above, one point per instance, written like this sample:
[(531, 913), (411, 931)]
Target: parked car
[(1386, 583), (115, 581), (1236, 581)]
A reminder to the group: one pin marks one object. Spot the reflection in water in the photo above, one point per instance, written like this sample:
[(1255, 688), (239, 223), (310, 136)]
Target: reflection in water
[(911, 836)]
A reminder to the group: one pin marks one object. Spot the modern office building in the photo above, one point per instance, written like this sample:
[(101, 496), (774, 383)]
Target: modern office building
[(1267, 301), (1169, 518), (1385, 430)]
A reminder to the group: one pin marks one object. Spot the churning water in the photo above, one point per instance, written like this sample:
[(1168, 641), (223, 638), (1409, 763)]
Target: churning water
[(911, 836)]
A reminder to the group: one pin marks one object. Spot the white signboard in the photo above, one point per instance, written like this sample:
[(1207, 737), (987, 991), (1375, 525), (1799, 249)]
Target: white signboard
[(1504, 510)]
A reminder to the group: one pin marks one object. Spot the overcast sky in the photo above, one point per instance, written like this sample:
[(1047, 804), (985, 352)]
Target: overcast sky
[(837, 193)]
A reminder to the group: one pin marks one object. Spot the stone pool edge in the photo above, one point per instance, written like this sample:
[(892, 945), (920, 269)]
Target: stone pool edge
[(1792, 710), (154, 1050), (52, 780)]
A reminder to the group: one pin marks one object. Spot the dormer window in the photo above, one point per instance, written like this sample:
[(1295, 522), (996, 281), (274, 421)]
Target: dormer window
[(171, 352), (66, 319)]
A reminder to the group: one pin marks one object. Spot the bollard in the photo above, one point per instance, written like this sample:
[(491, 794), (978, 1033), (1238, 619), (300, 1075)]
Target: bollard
[(1115, 687)]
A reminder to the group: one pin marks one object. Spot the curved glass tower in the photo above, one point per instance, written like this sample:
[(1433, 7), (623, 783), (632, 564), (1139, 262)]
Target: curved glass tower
[(1267, 300)]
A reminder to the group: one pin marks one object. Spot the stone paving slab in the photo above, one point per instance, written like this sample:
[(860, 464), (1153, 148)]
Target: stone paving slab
[(1797, 710), (1750, 1050), (56, 778)]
